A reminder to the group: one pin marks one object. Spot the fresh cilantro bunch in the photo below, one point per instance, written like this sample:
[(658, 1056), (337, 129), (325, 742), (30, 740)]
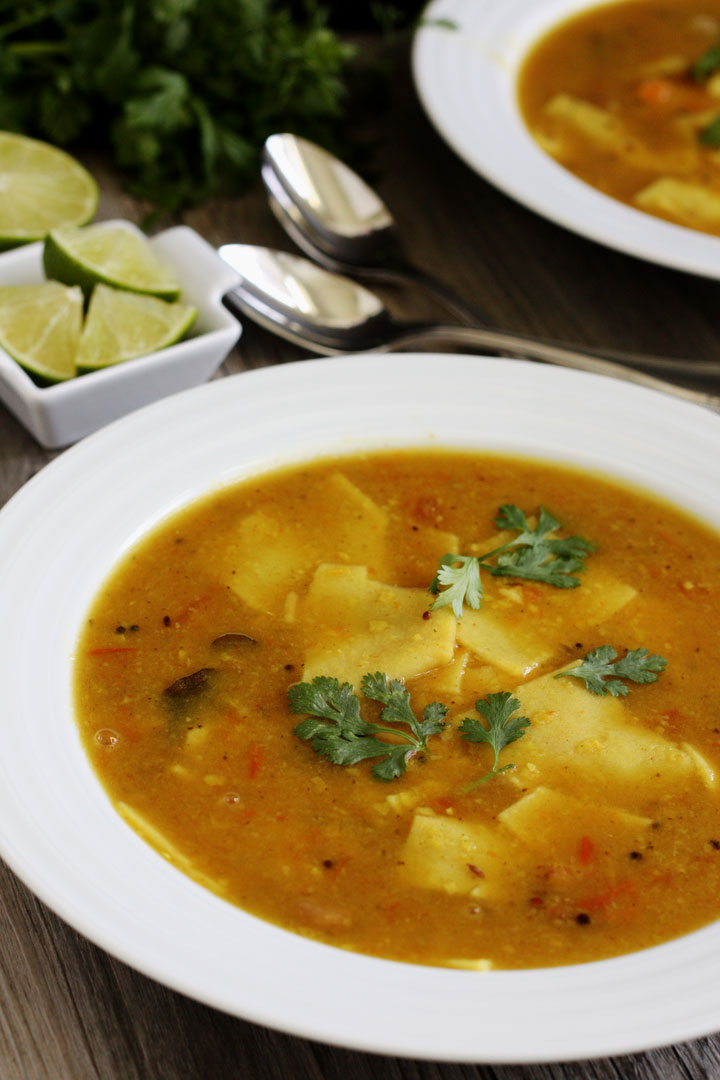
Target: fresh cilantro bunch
[(503, 728), (183, 91), (601, 671), (337, 731), (534, 554)]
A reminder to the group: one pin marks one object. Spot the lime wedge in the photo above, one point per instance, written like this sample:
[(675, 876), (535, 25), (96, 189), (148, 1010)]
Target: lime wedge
[(107, 255), (40, 328), (41, 187), (123, 325)]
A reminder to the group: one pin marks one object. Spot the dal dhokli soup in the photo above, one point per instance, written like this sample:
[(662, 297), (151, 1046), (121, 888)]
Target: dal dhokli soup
[(627, 97), (443, 707)]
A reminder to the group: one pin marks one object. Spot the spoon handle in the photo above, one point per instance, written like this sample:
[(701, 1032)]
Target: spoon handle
[(400, 272), (528, 348)]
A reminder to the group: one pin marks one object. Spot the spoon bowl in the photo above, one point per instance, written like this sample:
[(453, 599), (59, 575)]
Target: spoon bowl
[(340, 221)]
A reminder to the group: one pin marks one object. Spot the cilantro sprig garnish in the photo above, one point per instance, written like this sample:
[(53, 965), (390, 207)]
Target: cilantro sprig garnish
[(535, 554), (503, 728), (706, 64), (158, 85), (337, 731), (602, 671)]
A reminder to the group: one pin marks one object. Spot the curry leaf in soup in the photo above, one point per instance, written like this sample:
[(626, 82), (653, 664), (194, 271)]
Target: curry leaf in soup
[(503, 728), (337, 732), (601, 671)]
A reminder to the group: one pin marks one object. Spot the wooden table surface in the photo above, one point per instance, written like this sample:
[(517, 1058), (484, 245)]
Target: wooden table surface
[(68, 1010)]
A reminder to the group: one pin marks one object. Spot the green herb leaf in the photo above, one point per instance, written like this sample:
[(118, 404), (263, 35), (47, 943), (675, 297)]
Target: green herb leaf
[(534, 555), (602, 672), (461, 575), (706, 64), (539, 556), (710, 135), (184, 92), (336, 730), (503, 728)]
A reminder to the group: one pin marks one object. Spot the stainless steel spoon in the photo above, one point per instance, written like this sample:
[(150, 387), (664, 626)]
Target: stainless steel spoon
[(339, 221), (332, 216), (331, 314)]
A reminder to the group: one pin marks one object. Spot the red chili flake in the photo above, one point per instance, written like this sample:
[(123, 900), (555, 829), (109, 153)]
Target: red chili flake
[(586, 850), (475, 870), (256, 760), (426, 614), (536, 901), (673, 715)]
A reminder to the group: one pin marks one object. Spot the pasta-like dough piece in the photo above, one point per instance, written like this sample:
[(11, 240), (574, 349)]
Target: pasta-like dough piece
[(443, 853), (518, 649), (268, 559), (575, 734), (608, 132), (692, 204), (520, 637), (552, 822), (368, 626)]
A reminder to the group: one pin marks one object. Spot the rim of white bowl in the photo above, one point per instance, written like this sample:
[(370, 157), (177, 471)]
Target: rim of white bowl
[(466, 81), (58, 831)]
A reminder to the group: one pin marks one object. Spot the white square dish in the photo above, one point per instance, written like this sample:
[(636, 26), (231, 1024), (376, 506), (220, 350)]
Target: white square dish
[(61, 414)]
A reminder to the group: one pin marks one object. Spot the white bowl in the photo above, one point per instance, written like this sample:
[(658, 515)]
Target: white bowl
[(466, 78), (58, 830), (61, 414)]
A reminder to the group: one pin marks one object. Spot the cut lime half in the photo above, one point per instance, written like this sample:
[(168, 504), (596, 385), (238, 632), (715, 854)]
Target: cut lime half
[(40, 328), (41, 187), (121, 326), (107, 255)]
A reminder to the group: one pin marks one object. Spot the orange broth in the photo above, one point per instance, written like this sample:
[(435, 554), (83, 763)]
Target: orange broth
[(610, 93), (604, 838)]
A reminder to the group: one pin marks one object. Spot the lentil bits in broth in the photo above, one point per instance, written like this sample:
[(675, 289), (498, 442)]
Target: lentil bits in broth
[(547, 824), (627, 97)]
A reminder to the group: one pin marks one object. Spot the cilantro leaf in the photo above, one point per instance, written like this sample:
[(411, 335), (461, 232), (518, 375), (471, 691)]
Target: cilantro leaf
[(602, 672), (540, 557), (337, 731), (158, 84), (534, 555), (706, 64), (396, 699), (710, 134), (461, 573), (503, 728)]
